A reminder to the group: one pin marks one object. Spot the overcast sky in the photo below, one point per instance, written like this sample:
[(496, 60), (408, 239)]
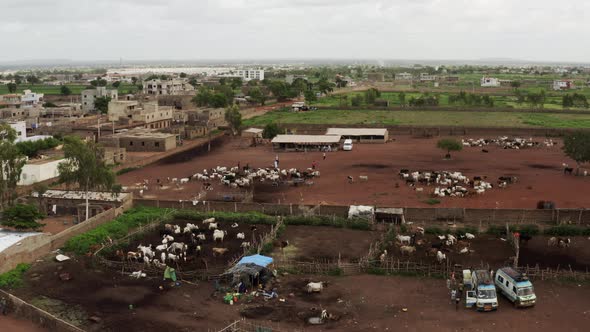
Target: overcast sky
[(542, 30)]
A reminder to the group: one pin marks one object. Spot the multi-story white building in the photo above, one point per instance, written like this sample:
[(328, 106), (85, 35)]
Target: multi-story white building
[(167, 87), (562, 85), (150, 113), (489, 82), (29, 98), (250, 74), (88, 97)]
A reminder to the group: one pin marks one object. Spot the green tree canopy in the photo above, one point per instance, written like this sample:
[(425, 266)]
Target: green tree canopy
[(271, 130), (234, 118), (84, 166), (116, 84), (98, 82), (11, 87), (449, 144), (257, 96), (324, 86), (101, 104), (310, 96), (22, 217), (577, 146), (65, 90), (11, 164)]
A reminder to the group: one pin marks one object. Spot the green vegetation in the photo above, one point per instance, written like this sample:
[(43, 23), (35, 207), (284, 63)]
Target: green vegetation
[(14, 277), (271, 130), (22, 217), (432, 201), (75, 89), (577, 147), (32, 148), (116, 229), (234, 118), (567, 230), (11, 162), (126, 170), (423, 118), (449, 144)]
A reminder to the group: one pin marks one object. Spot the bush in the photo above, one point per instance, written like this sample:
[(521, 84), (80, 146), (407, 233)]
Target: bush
[(22, 217), (32, 148), (432, 201), (116, 229), (434, 230), (567, 230), (335, 272), (14, 277)]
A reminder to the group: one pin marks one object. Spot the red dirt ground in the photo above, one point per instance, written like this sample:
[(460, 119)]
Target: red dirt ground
[(9, 323), (361, 302), (539, 172)]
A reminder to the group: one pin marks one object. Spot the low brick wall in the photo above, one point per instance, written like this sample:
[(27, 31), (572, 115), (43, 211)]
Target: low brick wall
[(35, 247), (36, 315)]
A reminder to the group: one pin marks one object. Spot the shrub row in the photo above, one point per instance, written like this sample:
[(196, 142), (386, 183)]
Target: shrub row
[(116, 229), (14, 277)]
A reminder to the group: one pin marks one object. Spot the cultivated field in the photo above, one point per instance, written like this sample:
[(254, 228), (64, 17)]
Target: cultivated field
[(424, 118), (539, 172)]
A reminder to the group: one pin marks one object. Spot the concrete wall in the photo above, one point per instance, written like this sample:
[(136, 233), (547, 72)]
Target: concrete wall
[(33, 173), (35, 247), (42, 318)]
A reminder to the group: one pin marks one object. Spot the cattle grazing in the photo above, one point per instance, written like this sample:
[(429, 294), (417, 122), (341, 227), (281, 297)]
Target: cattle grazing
[(315, 287)]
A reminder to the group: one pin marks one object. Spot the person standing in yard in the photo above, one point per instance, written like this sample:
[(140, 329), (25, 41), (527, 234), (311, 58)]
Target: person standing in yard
[(457, 300), (3, 305), (324, 156)]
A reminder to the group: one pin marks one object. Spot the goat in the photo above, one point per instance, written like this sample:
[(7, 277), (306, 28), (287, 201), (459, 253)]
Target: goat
[(552, 242), (469, 236), (172, 257), (350, 179), (219, 251), (234, 225), (208, 221), (146, 251), (407, 250), (404, 239), (420, 230), (440, 257), (245, 245), (464, 250), (564, 243), (240, 236), (315, 287), (132, 255), (363, 178), (184, 180), (167, 238), (213, 225), (383, 256), (219, 235), (201, 237)]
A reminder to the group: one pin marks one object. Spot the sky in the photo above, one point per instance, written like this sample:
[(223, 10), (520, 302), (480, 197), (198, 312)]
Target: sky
[(83, 30)]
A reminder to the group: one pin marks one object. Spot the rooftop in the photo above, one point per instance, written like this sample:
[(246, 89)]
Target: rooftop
[(142, 133), (357, 131), (253, 130), (105, 196), (307, 139), (9, 238)]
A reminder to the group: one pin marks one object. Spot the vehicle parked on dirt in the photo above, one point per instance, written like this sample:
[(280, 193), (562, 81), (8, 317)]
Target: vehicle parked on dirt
[(347, 146), (485, 291), (516, 287)]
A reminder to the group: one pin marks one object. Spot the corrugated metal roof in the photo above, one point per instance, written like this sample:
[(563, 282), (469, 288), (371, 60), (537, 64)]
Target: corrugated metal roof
[(92, 195), (357, 131), (307, 139), (253, 130)]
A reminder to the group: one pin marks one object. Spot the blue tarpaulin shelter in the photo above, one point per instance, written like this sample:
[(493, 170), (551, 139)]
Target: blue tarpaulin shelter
[(256, 259)]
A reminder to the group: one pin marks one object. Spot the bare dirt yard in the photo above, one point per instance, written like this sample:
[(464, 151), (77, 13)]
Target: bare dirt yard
[(539, 171), (356, 303)]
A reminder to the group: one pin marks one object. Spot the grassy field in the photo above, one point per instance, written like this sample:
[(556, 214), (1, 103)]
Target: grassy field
[(553, 102), (56, 89), (430, 118)]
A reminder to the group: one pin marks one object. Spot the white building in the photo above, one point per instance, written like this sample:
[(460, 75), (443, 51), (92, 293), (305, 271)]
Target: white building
[(88, 97), (167, 87), (403, 76), (425, 77), (21, 130), (39, 170), (489, 82), (29, 98), (562, 85), (251, 74)]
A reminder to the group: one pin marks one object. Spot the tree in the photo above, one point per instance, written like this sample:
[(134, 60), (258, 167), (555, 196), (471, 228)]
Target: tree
[(402, 99), (257, 96), (299, 85), (49, 104), (32, 79), (449, 144), (218, 100), (203, 97), (515, 84), (324, 86), (371, 95), (253, 82), (310, 96), (98, 82), (271, 130), (227, 92), (116, 84), (11, 87), (22, 217), (85, 167), (65, 90), (40, 189), (577, 147), (11, 164), (236, 82), (234, 118), (182, 75), (133, 80), (340, 83), (101, 104)]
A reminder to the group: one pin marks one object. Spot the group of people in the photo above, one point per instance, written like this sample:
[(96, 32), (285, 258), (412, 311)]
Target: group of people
[(314, 164), (456, 290)]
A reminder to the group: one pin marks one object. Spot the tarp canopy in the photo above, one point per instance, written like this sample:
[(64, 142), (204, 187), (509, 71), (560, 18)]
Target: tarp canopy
[(256, 259), (361, 211)]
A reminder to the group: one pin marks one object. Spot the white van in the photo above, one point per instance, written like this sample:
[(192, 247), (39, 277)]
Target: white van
[(516, 287), (347, 145)]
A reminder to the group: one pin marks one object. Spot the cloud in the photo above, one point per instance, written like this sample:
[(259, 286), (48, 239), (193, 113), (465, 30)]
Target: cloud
[(263, 29)]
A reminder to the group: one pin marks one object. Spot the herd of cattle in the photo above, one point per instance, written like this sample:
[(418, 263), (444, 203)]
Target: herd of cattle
[(453, 184), (506, 142)]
